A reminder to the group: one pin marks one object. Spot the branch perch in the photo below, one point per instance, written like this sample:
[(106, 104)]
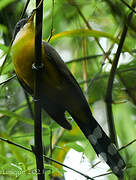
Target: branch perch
[(38, 147), (108, 98)]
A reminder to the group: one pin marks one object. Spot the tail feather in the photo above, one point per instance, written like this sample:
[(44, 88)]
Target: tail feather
[(103, 146)]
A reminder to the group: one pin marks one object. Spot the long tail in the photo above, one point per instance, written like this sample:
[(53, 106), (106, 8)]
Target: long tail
[(103, 145)]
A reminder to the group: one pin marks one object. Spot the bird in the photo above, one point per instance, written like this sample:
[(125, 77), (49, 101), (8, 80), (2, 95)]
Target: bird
[(60, 92)]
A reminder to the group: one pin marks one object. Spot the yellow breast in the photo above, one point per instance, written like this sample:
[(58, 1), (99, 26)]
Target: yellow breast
[(23, 57)]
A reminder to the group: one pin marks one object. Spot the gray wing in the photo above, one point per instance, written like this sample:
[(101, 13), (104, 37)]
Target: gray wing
[(72, 97)]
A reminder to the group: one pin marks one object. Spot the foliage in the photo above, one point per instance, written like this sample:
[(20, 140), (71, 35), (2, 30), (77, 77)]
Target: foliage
[(72, 39)]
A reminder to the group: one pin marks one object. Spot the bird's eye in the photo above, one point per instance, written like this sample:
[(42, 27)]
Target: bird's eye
[(18, 26)]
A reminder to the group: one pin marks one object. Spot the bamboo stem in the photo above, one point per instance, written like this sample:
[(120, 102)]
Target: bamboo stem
[(38, 147)]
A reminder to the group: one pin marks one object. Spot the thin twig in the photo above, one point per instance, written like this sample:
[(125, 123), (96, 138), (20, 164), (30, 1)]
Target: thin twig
[(51, 31), (29, 104), (47, 158), (50, 159), (108, 98), (38, 6), (91, 57), (86, 22), (7, 80), (17, 145), (24, 10), (132, 9), (123, 147), (102, 175), (89, 27), (10, 45)]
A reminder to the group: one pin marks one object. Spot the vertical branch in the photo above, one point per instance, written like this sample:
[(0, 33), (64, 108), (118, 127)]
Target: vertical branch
[(108, 97), (38, 148)]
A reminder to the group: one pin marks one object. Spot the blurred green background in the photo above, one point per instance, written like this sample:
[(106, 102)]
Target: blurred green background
[(73, 40)]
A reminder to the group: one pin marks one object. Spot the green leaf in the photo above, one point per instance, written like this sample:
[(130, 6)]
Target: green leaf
[(54, 169), (16, 116), (75, 146), (88, 33), (3, 28), (19, 117), (3, 47)]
